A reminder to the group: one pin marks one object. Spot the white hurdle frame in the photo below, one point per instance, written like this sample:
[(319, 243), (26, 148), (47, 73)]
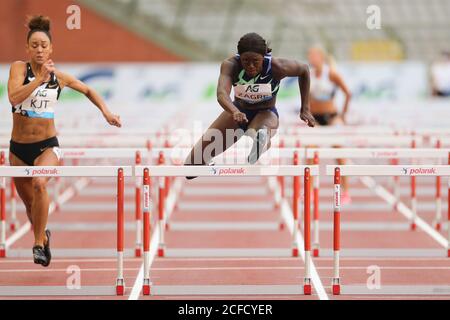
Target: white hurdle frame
[(374, 170), (148, 172), (141, 141), (77, 171), (375, 153)]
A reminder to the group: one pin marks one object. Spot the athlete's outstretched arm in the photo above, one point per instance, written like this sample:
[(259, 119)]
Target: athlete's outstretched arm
[(223, 92), (94, 97), (337, 79), (290, 68)]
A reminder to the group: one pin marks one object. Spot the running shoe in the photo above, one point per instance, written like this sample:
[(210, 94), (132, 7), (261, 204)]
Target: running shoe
[(47, 251), (193, 177), (39, 256), (258, 146)]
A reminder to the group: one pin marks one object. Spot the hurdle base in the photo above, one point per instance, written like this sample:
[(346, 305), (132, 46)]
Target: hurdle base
[(166, 226), (413, 226), (2, 251), (161, 251), (13, 226), (315, 252), (146, 290), (448, 253), (295, 252), (146, 287), (336, 286), (120, 290), (138, 252), (307, 289), (336, 289), (437, 226), (281, 226), (120, 287)]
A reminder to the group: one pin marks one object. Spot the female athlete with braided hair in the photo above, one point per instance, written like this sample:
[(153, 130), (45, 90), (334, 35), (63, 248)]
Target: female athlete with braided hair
[(255, 78)]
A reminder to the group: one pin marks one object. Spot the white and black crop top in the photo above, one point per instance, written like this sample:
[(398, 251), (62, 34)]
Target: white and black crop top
[(41, 102)]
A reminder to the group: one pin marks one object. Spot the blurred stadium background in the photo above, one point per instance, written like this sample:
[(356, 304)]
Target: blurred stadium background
[(151, 58)]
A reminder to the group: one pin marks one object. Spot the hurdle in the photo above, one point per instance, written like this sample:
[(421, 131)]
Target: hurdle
[(372, 170), (149, 172), (14, 223), (150, 155), (137, 208), (424, 132), (2, 209), (352, 141), (78, 171), (375, 153), (138, 154), (141, 141), (174, 156)]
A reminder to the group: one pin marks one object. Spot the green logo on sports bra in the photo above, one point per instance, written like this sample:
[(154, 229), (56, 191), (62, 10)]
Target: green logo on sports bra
[(253, 80), (243, 81)]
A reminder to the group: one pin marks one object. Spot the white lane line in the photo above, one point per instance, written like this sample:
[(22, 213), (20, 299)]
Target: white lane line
[(403, 209), (137, 287), (57, 260), (229, 252), (19, 291), (89, 226), (356, 193), (218, 207), (65, 270), (385, 252), (221, 205), (224, 269), (396, 290), (293, 268), (290, 258), (224, 226), (171, 199), (221, 191), (80, 207), (64, 197), (228, 290), (74, 252), (287, 215), (390, 259), (274, 226), (288, 218), (367, 226)]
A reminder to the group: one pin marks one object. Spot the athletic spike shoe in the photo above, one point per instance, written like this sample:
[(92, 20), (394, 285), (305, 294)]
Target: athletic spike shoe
[(47, 251), (258, 146), (39, 256), (211, 163)]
